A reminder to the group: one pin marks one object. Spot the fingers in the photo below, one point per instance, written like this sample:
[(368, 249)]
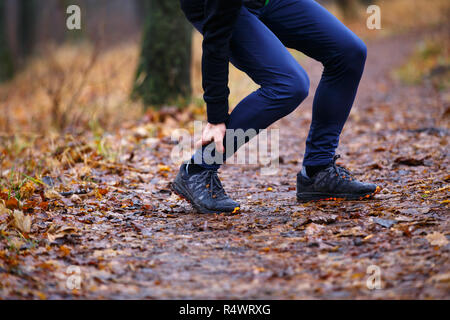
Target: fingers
[(213, 133), (205, 139), (218, 140), (199, 143)]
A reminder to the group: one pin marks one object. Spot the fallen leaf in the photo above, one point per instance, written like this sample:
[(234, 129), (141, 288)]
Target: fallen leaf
[(3, 209), (84, 172), (300, 223), (12, 203), (22, 221), (328, 219), (27, 190), (437, 239), (52, 194), (384, 222), (443, 277), (163, 168), (76, 199), (65, 251), (102, 191), (56, 232), (353, 232), (409, 161), (313, 229)]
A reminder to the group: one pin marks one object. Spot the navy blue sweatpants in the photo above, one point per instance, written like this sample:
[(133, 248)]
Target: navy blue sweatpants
[(258, 48)]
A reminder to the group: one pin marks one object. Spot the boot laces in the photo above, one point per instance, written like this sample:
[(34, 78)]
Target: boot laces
[(339, 170), (214, 186)]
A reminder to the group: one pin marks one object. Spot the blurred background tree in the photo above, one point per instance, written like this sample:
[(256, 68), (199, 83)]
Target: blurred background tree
[(6, 63), (163, 71), (26, 26)]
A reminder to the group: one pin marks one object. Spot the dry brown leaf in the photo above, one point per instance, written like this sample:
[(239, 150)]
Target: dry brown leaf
[(3, 209), (76, 199), (56, 232), (52, 194), (22, 221), (16, 242), (353, 232), (27, 190), (85, 171), (442, 277), (437, 239), (313, 228)]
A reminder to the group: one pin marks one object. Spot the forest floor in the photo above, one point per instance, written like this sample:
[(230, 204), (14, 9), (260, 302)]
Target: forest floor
[(112, 228)]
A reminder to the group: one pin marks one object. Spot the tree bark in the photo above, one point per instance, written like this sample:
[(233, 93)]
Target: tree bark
[(163, 72), (6, 63), (26, 26)]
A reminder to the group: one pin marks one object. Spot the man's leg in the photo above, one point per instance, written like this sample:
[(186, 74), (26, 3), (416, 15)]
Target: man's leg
[(310, 28), (256, 51), (306, 26), (284, 85)]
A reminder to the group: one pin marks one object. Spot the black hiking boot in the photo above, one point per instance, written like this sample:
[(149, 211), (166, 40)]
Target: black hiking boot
[(333, 183), (204, 191)]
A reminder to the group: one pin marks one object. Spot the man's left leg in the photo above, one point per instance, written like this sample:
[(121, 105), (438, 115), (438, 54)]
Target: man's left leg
[(306, 26)]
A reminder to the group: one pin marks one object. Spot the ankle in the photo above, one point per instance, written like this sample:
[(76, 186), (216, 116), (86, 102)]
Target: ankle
[(311, 171), (192, 168)]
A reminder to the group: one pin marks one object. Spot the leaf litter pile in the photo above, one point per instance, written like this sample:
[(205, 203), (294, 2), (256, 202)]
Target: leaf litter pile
[(101, 210)]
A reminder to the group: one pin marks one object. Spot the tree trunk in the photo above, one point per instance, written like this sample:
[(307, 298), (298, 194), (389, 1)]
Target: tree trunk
[(141, 8), (6, 63), (26, 26), (163, 72)]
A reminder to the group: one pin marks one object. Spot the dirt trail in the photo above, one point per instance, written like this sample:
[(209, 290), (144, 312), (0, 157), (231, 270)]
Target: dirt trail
[(154, 246)]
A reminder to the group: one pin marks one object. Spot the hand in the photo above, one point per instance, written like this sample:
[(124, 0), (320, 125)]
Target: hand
[(213, 132)]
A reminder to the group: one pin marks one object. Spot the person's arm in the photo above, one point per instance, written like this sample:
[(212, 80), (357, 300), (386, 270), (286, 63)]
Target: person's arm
[(220, 17)]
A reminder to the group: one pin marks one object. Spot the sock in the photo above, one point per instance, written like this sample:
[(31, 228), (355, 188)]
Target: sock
[(192, 168), (311, 171)]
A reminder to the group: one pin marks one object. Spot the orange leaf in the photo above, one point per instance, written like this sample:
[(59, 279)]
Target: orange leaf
[(103, 191), (12, 203), (65, 251)]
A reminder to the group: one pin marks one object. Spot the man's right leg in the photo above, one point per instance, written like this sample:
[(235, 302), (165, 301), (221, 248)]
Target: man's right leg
[(256, 51), (308, 27)]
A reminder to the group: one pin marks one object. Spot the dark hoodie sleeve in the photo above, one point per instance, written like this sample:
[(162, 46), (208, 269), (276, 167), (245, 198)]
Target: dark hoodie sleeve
[(220, 17)]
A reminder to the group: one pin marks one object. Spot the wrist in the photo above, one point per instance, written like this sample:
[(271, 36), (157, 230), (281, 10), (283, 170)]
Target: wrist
[(217, 112)]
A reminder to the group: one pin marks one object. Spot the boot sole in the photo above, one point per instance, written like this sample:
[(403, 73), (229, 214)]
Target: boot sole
[(180, 191), (316, 196)]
